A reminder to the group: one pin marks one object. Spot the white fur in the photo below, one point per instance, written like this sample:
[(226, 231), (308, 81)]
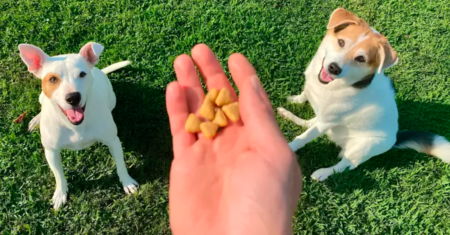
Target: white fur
[(57, 132), (441, 149), (363, 122)]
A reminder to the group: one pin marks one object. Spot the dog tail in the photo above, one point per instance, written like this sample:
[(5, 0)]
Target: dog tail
[(424, 142), (34, 123), (115, 66)]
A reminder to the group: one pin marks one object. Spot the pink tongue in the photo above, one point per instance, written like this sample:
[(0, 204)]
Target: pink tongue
[(325, 76), (75, 114)]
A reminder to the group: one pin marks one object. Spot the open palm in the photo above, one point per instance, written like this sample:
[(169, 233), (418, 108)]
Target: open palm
[(244, 181)]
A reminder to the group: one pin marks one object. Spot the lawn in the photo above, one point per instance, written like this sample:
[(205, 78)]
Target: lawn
[(399, 192)]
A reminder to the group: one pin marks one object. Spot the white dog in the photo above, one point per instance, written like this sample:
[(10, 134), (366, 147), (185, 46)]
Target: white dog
[(77, 99), (353, 99)]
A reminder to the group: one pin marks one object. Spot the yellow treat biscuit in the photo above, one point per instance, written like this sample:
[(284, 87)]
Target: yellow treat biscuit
[(207, 109), (224, 97), (212, 94), (232, 111), (220, 118), (209, 129), (192, 124)]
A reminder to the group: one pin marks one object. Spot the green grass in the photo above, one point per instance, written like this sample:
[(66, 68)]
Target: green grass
[(399, 192)]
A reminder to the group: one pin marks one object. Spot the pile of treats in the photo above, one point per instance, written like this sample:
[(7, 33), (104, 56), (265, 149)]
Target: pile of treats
[(215, 109)]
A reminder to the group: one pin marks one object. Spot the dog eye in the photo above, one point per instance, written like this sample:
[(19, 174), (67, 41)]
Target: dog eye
[(82, 74), (341, 42), (360, 59), (53, 80)]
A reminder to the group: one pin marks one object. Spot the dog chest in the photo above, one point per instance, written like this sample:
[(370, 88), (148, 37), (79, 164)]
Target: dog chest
[(78, 142)]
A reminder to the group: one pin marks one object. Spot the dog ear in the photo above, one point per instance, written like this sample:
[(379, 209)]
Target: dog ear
[(340, 17), (91, 52), (388, 56), (33, 57)]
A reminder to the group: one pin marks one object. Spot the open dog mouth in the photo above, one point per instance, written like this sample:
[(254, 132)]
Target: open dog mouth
[(324, 76), (75, 114)]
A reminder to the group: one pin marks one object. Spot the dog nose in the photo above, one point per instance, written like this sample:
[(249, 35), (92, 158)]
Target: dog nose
[(73, 98), (334, 69)]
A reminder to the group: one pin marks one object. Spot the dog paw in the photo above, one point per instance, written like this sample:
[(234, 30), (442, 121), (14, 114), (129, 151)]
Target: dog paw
[(129, 185), (299, 99), (283, 112), (322, 174), (296, 144), (59, 198)]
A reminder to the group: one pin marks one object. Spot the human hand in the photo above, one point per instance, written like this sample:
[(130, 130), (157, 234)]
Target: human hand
[(244, 181)]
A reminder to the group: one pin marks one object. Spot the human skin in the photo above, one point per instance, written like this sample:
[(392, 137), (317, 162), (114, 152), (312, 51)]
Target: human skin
[(244, 181)]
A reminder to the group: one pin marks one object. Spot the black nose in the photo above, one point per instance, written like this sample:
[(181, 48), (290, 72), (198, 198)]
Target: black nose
[(334, 69), (73, 98)]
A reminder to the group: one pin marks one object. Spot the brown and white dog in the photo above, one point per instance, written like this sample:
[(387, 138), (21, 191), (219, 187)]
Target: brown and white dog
[(354, 101)]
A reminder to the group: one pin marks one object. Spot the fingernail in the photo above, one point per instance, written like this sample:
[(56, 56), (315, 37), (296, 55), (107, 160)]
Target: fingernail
[(256, 84)]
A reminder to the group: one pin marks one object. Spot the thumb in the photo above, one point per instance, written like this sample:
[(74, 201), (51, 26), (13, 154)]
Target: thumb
[(255, 108), (257, 113)]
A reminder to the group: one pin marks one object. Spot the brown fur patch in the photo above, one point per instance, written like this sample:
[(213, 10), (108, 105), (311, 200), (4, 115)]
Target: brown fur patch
[(371, 48), (341, 16), (371, 45), (49, 87), (377, 50)]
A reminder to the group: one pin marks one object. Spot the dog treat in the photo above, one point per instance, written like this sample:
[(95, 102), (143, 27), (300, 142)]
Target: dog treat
[(192, 124), (217, 108), (220, 118), (209, 129), (207, 109), (232, 111), (212, 94), (224, 97)]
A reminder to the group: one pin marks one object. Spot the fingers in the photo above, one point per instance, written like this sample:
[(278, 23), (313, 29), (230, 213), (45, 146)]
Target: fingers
[(189, 81), (211, 69), (177, 109), (254, 106), (241, 70)]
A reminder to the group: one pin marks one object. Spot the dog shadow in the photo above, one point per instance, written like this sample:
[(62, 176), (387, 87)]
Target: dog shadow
[(413, 115), (143, 128), (143, 124)]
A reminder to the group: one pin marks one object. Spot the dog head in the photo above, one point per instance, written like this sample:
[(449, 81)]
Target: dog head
[(354, 51), (67, 79)]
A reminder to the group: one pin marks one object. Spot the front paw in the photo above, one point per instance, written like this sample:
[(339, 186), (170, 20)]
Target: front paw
[(59, 198), (129, 184), (283, 112), (299, 99), (296, 144), (322, 174)]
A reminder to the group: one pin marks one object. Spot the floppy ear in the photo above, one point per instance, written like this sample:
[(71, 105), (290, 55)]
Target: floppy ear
[(91, 52), (388, 57), (33, 57), (340, 17)]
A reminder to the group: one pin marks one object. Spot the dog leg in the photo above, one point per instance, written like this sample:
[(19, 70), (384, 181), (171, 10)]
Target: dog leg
[(290, 116), (323, 173), (313, 132), (129, 184), (299, 99), (54, 161), (355, 152)]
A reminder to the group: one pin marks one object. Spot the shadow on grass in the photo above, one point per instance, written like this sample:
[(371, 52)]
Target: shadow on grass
[(143, 129), (143, 125), (419, 116)]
